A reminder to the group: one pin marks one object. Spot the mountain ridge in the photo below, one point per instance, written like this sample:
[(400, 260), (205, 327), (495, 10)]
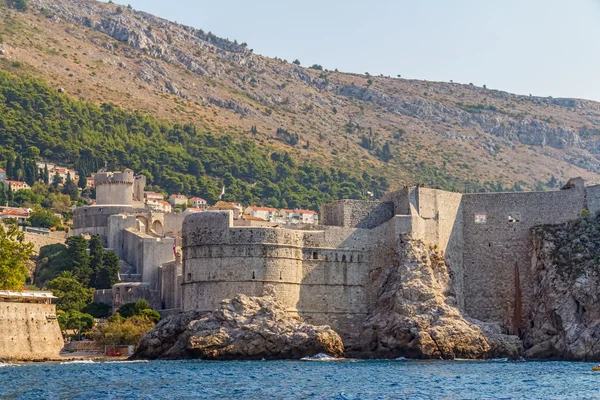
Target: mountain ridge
[(440, 134)]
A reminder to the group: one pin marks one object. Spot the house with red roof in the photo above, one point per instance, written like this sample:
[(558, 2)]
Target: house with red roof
[(265, 213), (14, 213), (16, 185)]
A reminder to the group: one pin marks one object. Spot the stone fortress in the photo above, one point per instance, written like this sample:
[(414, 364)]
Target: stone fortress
[(324, 273)]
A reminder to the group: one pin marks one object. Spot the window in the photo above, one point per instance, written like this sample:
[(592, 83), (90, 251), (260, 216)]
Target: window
[(480, 218), (315, 255), (514, 217), (189, 276)]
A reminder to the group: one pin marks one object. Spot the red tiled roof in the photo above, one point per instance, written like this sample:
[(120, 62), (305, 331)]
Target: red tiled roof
[(13, 213), (179, 196), (306, 212), (197, 199), (16, 183)]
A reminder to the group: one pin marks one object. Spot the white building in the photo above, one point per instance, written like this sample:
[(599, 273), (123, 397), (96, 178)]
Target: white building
[(16, 185), (198, 202), (178, 199), (266, 213)]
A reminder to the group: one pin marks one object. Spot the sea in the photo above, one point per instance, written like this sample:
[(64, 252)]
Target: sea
[(319, 378)]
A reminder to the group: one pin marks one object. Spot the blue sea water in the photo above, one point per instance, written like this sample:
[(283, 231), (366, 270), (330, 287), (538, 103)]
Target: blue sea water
[(301, 380)]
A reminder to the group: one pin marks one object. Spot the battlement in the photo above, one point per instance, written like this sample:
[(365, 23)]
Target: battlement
[(117, 177)]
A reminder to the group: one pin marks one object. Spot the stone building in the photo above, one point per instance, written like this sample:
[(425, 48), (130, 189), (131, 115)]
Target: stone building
[(323, 273)]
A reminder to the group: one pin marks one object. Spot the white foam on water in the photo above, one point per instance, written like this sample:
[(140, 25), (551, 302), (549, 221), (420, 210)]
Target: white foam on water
[(321, 357), (77, 362)]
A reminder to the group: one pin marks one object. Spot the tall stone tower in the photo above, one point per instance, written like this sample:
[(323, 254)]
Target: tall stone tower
[(139, 184), (114, 188)]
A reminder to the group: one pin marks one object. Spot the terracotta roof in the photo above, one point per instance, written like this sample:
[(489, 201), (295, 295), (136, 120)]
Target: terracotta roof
[(13, 213), (16, 183), (306, 212), (179, 196), (197, 199), (223, 205), (164, 202)]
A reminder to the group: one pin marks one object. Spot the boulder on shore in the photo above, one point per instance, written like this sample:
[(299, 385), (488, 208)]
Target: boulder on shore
[(416, 314), (242, 328)]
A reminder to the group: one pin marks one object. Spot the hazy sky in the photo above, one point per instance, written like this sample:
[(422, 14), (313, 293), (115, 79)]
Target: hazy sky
[(542, 47)]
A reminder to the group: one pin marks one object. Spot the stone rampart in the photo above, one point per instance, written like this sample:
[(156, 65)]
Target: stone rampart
[(29, 331), (114, 188), (497, 248), (357, 213), (320, 275)]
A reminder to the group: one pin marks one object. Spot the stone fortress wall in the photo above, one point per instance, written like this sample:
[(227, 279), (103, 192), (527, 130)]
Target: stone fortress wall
[(326, 275), (29, 331)]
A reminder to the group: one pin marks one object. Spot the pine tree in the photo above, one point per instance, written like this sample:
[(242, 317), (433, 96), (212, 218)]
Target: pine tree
[(80, 260), (70, 188), (96, 261), (56, 181), (9, 193)]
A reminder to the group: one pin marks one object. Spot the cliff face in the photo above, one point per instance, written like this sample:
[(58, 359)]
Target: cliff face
[(416, 314), (565, 322)]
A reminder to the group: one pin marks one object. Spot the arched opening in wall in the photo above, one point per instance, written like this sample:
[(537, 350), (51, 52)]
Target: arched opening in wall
[(280, 275), (315, 255), (351, 258), (343, 258), (141, 224), (253, 275), (157, 227)]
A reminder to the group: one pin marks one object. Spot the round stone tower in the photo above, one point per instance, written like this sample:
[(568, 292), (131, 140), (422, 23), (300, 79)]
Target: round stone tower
[(114, 188)]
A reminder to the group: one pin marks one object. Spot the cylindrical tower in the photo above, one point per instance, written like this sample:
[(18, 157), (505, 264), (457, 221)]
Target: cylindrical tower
[(114, 188)]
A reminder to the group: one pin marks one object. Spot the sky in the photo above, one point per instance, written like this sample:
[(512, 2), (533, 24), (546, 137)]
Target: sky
[(539, 47)]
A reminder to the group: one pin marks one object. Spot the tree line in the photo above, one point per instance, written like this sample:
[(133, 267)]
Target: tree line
[(178, 158)]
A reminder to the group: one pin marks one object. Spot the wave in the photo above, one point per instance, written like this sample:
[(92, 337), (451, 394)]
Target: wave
[(401, 359), (498, 359), (77, 362), (7, 365), (321, 357), (125, 362)]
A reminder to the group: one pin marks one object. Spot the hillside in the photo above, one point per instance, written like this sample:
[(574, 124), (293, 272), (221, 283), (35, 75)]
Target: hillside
[(440, 134)]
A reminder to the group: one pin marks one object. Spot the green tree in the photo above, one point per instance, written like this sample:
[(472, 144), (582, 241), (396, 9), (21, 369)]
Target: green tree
[(75, 320), (56, 182), (14, 254), (44, 219), (20, 5), (297, 62), (18, 172), (3, 197), (96, 260), (46, 175), (97, 310), (80, 260), (70, 188), (10, 168), (117, 331), (82, 183), (72, 295)]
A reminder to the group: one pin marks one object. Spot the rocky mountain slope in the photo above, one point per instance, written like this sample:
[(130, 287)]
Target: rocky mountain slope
[(441, 134)]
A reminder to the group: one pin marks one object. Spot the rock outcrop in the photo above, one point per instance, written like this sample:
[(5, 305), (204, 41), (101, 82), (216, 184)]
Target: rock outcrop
[(416, 315), (565, 323), (242, 328)]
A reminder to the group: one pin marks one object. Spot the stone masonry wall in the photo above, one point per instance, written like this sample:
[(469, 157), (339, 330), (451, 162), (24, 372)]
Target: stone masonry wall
[(495, 247), (356, 213), (320, 275), (29, 331)]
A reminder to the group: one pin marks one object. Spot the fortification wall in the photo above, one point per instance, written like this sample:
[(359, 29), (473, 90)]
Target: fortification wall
[(94, 220), (321, 275), (356, 213), (497, 252), (146, 253), (29, 331), (170, 280)]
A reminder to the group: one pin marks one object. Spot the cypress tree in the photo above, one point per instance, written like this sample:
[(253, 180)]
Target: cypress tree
[(82, 179), (10, 168), (96, 262), (9, 194), (3, 198), (18, 168), (46, 175)]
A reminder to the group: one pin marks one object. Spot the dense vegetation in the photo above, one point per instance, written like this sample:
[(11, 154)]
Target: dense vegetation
[(178, 158), (14, 254)]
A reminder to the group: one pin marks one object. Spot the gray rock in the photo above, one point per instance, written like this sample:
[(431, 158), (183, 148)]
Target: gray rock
[(242, 328)]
